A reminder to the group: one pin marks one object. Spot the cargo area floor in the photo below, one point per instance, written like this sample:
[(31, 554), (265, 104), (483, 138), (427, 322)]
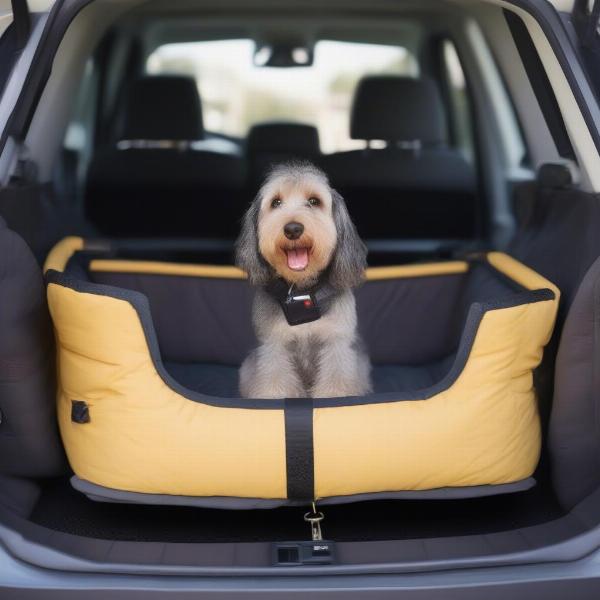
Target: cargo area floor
[(62, 508)]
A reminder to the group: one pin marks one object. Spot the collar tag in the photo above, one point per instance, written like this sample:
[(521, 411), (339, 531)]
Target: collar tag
[(300, 308)]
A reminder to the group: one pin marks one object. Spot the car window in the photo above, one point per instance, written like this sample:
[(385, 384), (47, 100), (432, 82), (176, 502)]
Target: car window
[(236, 93), (6, 18), (6, 13), (40, 5), (459, 105), (12, 36)]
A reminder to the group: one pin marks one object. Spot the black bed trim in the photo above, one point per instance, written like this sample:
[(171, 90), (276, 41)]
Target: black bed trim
[(141, 305), (299, 450), (99, 493)]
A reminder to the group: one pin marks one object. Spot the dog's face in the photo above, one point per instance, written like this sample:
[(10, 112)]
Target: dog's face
[(298, 226), (296, 232)]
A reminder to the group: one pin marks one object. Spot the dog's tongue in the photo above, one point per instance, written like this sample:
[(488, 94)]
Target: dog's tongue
[(297, 259)]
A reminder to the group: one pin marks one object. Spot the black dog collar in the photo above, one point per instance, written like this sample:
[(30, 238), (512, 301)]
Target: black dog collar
[(301, 307)]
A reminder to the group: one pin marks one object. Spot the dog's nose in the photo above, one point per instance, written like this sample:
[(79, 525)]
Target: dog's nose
[(293, 230)]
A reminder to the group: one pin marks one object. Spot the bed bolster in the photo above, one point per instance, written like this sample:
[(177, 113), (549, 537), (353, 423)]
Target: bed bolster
[(142, 434), (59, 256), (483, 429), (145, 433)]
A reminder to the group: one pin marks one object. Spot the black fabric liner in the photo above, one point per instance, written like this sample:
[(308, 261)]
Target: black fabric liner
[(30, 445), (558, 237), (141, 305), (206, 320), (222, 380)]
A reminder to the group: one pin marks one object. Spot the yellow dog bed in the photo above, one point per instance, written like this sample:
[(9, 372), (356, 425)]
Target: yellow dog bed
[(456, 342)]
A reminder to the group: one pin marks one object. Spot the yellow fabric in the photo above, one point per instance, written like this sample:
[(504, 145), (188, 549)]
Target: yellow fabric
[(166, 268), (145, 437), (519, 272), (417, 270), (228, 272), (484, 429), (59, 256)]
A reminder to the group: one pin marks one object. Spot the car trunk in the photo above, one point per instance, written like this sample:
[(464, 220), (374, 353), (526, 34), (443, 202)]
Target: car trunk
[(46, 522), (389, 534)]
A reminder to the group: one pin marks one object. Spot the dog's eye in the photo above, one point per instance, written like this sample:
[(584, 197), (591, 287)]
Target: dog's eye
[(313, 201), (275, 202)]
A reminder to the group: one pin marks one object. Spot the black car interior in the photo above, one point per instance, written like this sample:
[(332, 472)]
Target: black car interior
[(420, 189), (424, 187), (153, 166), (418, 182)]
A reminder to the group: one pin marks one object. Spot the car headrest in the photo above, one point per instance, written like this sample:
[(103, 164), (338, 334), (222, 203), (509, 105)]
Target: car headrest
[(393, 108), (163, 107), (283, 138)]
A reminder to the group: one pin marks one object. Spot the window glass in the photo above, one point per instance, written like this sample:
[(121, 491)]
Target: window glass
[(5, 19), (236, 93), (460, 110), (40, 5)]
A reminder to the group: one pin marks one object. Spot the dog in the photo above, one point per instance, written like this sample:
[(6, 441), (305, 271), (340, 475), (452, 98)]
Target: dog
[(302, 252)]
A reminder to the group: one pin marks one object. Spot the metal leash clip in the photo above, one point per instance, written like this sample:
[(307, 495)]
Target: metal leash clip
[(314, 518)]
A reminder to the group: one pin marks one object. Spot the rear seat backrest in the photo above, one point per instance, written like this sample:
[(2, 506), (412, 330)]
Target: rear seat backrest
[(420, 187), (271, 143), (165, 107), (154, 182)]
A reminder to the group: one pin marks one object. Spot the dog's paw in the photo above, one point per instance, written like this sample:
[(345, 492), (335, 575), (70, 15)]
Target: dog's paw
[(270, 393), (341, 391), (252, 387)]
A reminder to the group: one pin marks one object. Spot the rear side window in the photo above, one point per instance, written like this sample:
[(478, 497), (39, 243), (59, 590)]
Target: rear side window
[(237, 93), (459, 106), (541, 85), (5, 20)]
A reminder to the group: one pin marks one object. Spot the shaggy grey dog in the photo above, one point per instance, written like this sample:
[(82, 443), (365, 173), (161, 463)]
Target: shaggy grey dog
[(301, 250)]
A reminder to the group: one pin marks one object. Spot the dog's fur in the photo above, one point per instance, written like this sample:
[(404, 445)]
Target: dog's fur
[(323, 358)]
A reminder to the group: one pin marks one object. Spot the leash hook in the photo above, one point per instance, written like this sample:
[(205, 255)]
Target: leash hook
[(314, 518)]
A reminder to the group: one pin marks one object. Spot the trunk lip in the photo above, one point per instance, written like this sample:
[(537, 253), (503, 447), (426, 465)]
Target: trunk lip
[(50, 549)]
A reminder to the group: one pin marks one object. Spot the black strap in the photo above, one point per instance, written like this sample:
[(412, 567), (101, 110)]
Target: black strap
[(301, 306), (299, 453)]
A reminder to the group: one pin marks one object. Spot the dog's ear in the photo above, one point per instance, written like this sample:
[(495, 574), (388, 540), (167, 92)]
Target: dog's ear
[(350, 256), (247, 254)]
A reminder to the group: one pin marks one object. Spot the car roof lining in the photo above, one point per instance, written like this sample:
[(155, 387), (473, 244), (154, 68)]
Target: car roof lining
[(161, 23), (158, 33)]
